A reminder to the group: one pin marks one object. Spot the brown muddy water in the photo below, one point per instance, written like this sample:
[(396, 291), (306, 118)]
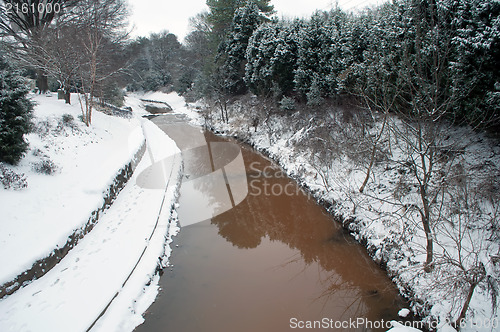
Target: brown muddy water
[(276, 262)]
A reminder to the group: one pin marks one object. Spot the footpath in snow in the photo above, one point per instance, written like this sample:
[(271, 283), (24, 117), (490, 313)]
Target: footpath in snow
[(106, 274)]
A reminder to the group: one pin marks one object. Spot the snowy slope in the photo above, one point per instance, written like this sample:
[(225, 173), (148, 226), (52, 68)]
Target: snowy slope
[(75, 292), (36, 220), (112, 264)]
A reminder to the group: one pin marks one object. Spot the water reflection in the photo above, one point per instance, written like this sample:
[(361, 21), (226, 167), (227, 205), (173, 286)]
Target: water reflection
[(214, 179), (345, 272)]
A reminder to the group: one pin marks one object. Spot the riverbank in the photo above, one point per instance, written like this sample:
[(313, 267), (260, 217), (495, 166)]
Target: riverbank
[(107, 280), (394, 240), (64, 192)]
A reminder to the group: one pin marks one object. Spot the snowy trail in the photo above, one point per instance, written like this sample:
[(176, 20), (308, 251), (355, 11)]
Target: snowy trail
[(75, 292)]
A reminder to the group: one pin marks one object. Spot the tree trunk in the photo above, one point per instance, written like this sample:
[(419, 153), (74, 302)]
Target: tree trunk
[(368, 171), (67, 96), (42, 81), (465, 307), (221, 103), (430, 248), (428, 235), (373, 154), (425, 216)]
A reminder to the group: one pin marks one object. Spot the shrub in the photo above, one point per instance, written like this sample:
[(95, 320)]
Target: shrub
[(41, 128), (287, 104), (67, 120), (12, 180), (15, 114), (155, 80), (45, 166)]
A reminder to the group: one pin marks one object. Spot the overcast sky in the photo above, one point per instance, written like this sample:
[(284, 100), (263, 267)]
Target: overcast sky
[(156, 15)]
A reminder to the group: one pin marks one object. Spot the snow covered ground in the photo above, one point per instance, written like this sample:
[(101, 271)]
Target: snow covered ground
[(84, 162), (113, 263)]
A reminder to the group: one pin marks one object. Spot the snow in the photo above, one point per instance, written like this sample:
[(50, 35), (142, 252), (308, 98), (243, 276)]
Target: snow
[(135, 100), (398, 327), (403, 312), (40, 218), (113, 264)]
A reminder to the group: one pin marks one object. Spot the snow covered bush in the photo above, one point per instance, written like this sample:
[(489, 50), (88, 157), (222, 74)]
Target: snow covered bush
[(41, 128), (155, 80), (314, 97), (45, 166), (15, 114), (287, 104), (67, 119), (11, 179)]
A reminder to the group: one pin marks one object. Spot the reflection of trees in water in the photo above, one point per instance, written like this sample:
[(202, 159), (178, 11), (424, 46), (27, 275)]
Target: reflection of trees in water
[(347, 270), (203, 169)]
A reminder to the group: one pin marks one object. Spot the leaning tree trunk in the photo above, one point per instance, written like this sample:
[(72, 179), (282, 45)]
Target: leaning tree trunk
[(461, 317), (479, 274), (373, 154)]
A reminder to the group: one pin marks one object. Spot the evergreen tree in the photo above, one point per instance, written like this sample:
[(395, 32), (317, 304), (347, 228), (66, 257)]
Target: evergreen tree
[(377, 60), (475, 61), (232, 52), (321, 55), (15, 114), (260, 52), (221, 13), (272, 58)]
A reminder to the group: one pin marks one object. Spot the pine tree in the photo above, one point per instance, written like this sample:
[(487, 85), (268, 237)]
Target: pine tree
[(232, 52), (15, 114), (221, 13), (475, 61), (321, 56), (259, 72)]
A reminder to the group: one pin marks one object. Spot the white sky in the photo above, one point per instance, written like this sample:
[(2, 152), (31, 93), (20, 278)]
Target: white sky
[(156, 15)]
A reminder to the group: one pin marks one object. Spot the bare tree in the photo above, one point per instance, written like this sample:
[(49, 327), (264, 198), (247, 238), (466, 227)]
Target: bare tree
[(468, 222), (23, 26), (427, 100), (101, 24), (385, 107), (75, 44)]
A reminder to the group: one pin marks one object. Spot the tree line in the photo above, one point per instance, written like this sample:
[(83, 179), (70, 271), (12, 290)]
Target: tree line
[(439, 55)]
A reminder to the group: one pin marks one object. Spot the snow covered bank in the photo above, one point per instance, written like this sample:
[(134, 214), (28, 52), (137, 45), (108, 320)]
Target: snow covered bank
[(137, 100), (102, 282), (72, 171)]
